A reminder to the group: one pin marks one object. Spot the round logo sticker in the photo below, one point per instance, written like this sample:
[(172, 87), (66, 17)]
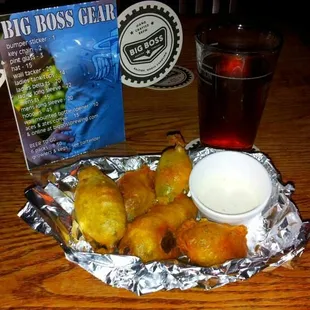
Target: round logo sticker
[(178, 77), (151, 37)]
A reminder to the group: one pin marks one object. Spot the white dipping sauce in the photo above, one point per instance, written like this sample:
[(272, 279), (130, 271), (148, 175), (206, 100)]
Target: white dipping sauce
[(230, 187), (227, 196)]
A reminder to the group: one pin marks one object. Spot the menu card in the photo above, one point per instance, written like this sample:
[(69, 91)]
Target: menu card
[(62, 68)]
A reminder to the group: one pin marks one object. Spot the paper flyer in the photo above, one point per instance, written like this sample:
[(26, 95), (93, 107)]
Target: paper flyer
[(63, 74)]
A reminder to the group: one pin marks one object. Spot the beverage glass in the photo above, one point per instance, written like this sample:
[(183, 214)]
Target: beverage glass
[(235, 64)]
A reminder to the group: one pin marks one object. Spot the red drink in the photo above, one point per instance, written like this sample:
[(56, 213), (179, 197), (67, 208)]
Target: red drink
[(235, 63), (231, 101)]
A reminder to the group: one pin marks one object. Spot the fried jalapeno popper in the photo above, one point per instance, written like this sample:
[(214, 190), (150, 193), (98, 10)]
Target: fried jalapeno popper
[(152, 236), (99, 208), (137, 188), (207, 243), (172, 173)]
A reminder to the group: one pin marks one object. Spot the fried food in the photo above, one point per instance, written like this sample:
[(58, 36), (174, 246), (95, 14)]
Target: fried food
[(152, 236), (176, 212), (99, 208), (173, 170), (137, 188), (207, 243)]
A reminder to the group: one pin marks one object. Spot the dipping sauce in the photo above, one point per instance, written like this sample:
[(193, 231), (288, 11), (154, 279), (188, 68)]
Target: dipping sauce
[(221, 194), (230, 187)]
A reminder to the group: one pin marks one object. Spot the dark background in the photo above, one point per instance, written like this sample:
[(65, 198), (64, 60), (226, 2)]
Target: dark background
[(293, 14), (283, 9)]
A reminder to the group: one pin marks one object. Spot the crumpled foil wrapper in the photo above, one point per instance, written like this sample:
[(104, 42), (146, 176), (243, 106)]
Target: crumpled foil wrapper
[(274, 238)]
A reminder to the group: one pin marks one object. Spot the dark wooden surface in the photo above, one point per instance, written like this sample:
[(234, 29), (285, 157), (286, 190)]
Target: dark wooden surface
[(34, 273)]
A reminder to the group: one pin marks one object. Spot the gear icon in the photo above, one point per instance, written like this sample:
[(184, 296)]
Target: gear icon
[(138, 13)]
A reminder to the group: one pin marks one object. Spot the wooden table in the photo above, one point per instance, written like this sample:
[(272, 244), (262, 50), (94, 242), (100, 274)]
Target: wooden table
[(34, 272)]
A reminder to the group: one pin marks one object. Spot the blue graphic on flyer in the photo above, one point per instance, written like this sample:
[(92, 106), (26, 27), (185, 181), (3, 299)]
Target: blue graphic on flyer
[(63, 73)]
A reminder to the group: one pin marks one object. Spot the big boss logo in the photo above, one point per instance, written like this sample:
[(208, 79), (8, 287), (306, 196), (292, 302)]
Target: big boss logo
[(150, 38), (146, 50)]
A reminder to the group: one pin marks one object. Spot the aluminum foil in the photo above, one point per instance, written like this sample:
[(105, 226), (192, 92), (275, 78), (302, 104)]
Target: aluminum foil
[(274, 238)]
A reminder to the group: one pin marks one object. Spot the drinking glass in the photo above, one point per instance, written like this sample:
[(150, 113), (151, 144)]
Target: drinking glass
[(235, 64)]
